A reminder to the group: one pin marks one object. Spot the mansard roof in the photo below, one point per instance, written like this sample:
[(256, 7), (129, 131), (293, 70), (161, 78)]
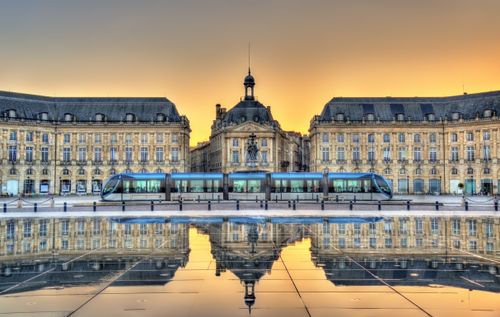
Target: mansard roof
[(467, 106), (84, 109), (248, 110)]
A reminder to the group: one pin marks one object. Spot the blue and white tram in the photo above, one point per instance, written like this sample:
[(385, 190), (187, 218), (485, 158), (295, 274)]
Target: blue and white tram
[(358, 186), (299, 186), (247, 186), (197, 186)]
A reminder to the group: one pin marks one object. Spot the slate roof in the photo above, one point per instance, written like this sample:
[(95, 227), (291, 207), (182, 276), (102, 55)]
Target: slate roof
[(248, 110), (468, 106), (84, 109)]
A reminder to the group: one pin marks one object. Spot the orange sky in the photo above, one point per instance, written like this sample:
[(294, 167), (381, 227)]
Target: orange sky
[(194, 52)]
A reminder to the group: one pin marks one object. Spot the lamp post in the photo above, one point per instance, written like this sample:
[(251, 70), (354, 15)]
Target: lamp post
[(408, 184)]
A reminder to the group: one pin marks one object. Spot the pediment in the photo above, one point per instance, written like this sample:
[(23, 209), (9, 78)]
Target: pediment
[(251, 127)]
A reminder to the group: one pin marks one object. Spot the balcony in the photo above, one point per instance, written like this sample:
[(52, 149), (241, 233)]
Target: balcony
[(402, 161), (97, 162), (387, 161), (81, 162), (486, 160), (65, 162), (341, 161)]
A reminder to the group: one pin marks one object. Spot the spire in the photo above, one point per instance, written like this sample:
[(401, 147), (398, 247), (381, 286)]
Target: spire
[(249, 82)]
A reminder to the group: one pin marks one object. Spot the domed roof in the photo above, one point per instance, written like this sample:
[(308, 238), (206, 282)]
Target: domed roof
[(249, 80)]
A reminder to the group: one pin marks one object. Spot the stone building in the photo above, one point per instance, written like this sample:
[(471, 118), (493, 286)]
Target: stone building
[(72, 145), (421, 145), (249, 124), (199, 157)]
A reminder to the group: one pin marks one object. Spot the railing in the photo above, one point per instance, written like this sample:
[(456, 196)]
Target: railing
[(331, 203)]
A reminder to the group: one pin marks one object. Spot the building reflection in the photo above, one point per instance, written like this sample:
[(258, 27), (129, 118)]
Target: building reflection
[(410, 251), (249, 250), (81, 251)]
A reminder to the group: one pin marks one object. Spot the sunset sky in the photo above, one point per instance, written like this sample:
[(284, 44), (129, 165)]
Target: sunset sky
[(194, 52)]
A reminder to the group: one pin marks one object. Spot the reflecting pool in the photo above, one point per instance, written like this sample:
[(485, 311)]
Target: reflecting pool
[(345, 266)]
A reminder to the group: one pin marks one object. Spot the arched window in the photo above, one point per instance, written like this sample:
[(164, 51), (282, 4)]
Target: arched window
[(13, 171), (402, 171), (416, 138), (112, 171), (434, 171), (455, 116), (432, 138), (29, 171), (130, 117), (486, 171), (12, 113), (470, 171), (45, 171), (370, 117), (400, 117), (371, 138), (66, 171), (339, 117), (99, 117), (431, 116), (81, 171), (160, 117), (387, 171), (418, 171), (454, 171), (44, 116), (68, 117)]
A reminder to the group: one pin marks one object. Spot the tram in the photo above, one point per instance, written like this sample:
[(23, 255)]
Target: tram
[(246, 186)]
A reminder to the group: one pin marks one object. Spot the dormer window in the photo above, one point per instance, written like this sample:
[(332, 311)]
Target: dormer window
[(487, 113), (99, 117), (370, 117), (129, 117), (68, 117), (431, 117), (160, 117), (44, 116), (455, 116), (11, 113), (400, 117), (339, 117)]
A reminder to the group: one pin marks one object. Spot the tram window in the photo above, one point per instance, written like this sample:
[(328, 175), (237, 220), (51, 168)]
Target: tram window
[(181, 186), (213, 186), (196, 186), (154, 186), (254, 186), (296, 186), (339, 186), (239, 186), (312, 186), (277, 186)]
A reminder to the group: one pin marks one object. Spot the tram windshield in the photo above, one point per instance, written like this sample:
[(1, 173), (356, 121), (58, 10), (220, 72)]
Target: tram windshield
[(110, 185), (383, 185)]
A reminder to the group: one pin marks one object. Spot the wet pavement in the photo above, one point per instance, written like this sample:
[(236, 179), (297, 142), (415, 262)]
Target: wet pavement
[(244, 266)]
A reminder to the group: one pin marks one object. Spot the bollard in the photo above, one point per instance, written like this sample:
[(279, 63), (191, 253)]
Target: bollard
[(322, 205), (317, 198), (350, 204), (297, 198), (407, 205), (35, 207), (256, 198), (293, 205), (379, 205), (123, 205), (180, 204), (4, 207), (289, 204), (336, 198), (466, 205), (94, 206), (209, 205), (218, 199), (265, 205), (237, 204), (65, 206), (437, 205), (496, 205), (276, 198), (152, 205), (261, 204), (354, 198), (198, 199)]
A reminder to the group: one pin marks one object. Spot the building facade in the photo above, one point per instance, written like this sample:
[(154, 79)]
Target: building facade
[(421, 145), (248, 138), (72, 145)]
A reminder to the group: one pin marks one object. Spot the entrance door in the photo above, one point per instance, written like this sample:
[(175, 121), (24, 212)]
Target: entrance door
[(454, 187), (470, 186), (487, 187), (29, 186), (13, 187)]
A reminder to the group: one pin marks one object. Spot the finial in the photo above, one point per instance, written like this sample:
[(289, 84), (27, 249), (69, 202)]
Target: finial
[(248, 57)]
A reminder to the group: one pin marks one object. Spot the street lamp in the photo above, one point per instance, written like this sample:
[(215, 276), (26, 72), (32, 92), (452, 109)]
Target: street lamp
[(408, 184)]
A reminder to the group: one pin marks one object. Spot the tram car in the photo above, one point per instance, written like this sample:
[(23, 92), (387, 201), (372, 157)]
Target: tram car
[(246, 186)]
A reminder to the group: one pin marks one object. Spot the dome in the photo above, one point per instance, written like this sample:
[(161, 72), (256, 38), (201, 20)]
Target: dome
[(249, 80)]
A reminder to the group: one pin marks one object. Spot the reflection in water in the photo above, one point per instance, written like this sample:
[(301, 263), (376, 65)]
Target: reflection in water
[(395, 253)]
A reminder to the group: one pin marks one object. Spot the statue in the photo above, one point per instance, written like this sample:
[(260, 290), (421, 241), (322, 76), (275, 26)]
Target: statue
[(252, 150)]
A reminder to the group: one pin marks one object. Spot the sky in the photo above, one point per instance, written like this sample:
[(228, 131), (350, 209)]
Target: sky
[(303, 53)]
